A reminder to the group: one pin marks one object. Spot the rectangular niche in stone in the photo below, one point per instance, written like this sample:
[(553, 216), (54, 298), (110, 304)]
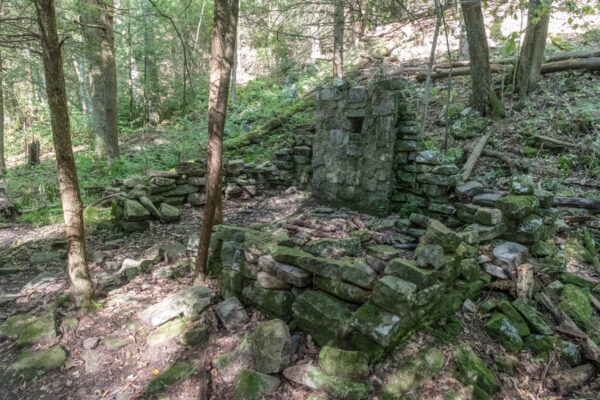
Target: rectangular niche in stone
[(354, 145)]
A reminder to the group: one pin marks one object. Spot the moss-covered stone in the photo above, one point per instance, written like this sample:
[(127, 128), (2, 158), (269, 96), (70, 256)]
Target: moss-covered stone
[(569, 352), (195, 337), (430, 255), (328, 247), (473, 371), (514, 317), (439, 234), (499, 328), (353, 365), (383, 252), (367, 345), (487, 306), (534, 318), (273, 303), (470, 270), (271, 346), (376, 323), (575, 302), (13, 326), (326, 318), (517, 207), (338, 387), (521, 184), (343, 290), (290, 255), (231, 364), (252, 385), (567, 277), (394, 295), (40, 330), (176, 372), (540, 345), (169, 331), (408, 271), (30, 362), (414, 374), (231, 283), (531, 229), (543, 248), (577, 251)]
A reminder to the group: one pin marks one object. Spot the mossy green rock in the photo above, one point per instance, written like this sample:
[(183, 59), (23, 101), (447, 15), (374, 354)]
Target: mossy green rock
[(514, 317), (353, 365), (575, 302), (343, 290), (13, 326), (271, 346), (543, 248), (568, 352), (577, 251), (567, 277), (176, 372), (326, 318), (517, 207), (327, 247), (273, 303), (135, 212), (252, 385), (521, 184), (231, 283), (414, 374), (383, 252), (430, 255), (541, 345), (394, 295), (290, 255), (408, 271), (499, 328), (30, 362), (338, 387), (530, 230), (534, 318), (473, 371), (41, 330), (438, 233), (470, 270), (195, 336), (169, 331), (376, 323), (231, 364)]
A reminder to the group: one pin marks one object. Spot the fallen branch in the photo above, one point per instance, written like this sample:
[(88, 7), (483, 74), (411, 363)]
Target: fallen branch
[(577, 202), (512, 166), (556, 142), (565, 323), (474, 157)]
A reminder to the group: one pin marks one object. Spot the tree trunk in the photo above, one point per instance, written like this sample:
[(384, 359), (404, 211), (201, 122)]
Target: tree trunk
[(151, 88), (130, 74), (534, 44), (109, 66), (338, 41), (483, 98), (2, 162), (93, 48), (84, 95), (223, 42), (82, 290), (463, 44), (235, 65)]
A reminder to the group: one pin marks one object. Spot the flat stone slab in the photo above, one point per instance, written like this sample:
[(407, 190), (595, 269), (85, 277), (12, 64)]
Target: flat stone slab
[(231, 313), (189, 302)]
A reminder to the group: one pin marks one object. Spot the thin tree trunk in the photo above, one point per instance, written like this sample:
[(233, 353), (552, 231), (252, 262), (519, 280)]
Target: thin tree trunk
[(151, 88), (235, 65), (338, 41), (84, 95), (534, 44), (2, 162), (223, 43), (463, 44), (130, 75), (427, 94), (109, 66), (90, 17), (82, 290), (199, 25), (483, 98)]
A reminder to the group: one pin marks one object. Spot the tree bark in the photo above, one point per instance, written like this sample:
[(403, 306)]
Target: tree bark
[(223, 42), (82, 288), (534, 44), (84, 92), (483, 98), (463, 44), (338, 41), (151, 88), (109, 67), (93, 48), (2, 162)]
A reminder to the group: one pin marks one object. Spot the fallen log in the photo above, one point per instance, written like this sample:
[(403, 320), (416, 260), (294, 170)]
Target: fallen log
[(565, 323), (512, 166), (577, 202), (556, 142), (474, 157), (592, 64), (568, 380)]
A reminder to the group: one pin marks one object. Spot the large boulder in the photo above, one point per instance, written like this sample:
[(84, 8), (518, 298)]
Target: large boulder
[(169, 213), (353, 365), (271, 346), (340, 388), (500, 329), (134, 211)]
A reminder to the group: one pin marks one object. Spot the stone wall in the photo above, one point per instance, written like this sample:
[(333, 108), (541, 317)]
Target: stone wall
[(368, 154), (347, 292)]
